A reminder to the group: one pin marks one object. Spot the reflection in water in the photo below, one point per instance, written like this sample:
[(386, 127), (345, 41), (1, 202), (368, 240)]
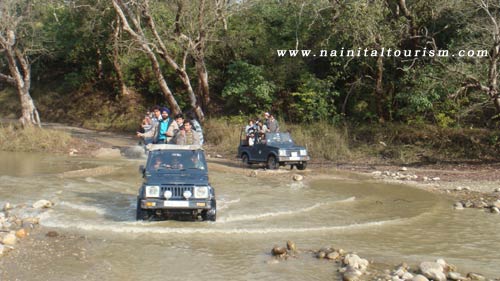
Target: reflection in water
[(388, 223)]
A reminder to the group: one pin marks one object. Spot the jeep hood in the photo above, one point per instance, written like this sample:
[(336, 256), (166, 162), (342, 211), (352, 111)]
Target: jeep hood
[(168, 178)]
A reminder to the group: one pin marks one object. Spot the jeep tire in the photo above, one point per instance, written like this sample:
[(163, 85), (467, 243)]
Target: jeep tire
[(210, 215), (244, 160), (141, 214), (272, 162), (302, 166)]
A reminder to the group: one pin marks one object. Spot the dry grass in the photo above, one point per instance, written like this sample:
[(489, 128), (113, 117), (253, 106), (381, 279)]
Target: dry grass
[(34, 140)]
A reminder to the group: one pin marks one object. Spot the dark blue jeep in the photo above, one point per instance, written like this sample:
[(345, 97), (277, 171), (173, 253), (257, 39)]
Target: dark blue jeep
[(275, 149), (175, 184)]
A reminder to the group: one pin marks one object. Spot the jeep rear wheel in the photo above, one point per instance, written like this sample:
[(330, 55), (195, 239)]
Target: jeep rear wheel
[(210, 215), (272, 163), (244, 160), (302, 166)]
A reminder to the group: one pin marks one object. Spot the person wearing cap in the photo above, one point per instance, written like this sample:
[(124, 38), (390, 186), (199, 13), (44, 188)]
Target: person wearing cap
[(164, 122), (187, 136)]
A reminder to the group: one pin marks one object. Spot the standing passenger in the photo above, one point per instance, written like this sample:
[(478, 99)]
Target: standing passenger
[(187, 136), (164, 122)]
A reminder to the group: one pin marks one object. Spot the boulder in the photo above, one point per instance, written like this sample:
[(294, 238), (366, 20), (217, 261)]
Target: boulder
[(497, 189), (356, 262), (403, 169), (495, 210), (42, 204), (436, 178), (458, 206), (432, 270), (321, 255), (351, 274), (298, 177)]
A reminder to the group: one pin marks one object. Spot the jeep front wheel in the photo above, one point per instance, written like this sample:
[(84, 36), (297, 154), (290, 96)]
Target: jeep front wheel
[(210, 215), (272, 163), (302, 166), (141, 214)]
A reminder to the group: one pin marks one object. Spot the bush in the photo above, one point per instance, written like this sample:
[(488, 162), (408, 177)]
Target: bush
[(33, 139)]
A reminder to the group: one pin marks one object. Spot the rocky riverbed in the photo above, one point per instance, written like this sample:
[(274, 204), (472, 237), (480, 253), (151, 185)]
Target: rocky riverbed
[(352, 267)]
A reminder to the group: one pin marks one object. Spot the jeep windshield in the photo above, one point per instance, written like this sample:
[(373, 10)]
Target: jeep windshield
[(168, 161), (278, 138)]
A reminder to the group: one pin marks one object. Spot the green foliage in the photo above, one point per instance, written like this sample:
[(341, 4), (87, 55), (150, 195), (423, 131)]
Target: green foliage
[(314, 101), (247, 88)]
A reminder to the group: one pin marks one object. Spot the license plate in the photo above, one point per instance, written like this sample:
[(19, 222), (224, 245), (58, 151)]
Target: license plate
[(176, 204), (294, 154), (296, 158)]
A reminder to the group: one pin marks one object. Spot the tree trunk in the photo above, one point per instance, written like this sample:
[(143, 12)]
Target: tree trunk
[(181, 71), (492, 77), (144, 44), (20, 78), (204, 90), (379, 89), (116, 63)]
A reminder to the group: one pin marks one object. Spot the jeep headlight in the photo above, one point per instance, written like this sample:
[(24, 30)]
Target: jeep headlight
[(303, 152), (282, 152), (201, 192), (152, 191)]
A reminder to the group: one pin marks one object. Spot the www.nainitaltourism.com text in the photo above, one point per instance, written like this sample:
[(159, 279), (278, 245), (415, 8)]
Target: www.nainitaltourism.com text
[(382, 53)]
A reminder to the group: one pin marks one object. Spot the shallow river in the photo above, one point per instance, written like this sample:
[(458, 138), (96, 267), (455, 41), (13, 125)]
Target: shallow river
[(95, 210)]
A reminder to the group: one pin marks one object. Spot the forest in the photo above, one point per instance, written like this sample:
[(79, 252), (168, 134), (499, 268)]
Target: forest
[(103, 64)]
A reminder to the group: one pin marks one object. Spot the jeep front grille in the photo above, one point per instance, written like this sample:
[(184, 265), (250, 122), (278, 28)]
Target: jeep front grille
[(177, 190)]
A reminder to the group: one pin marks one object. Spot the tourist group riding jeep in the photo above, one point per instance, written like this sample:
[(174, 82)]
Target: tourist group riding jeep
[(176, 184), (275, 149)]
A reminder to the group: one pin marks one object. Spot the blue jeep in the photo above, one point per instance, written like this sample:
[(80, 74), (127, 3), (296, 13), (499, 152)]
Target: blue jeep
[(175, 184), (274, 149)]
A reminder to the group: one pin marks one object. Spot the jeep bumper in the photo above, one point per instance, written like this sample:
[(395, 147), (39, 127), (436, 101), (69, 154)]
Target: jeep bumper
[(293, 159), (151, 203)]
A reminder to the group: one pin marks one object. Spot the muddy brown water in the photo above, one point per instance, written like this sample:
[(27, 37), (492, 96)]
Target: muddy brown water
[(95, 210)]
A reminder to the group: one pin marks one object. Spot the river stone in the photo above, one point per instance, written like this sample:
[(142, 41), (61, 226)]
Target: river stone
[(436, 178), (455, 276), (278, 251), (21, 233), (356, 262), (407, 276), (458, 206), (321, 255), (496, 204), (403, 169), (290, 245), (459, 188), (432, 270), (9, 239), (377, 173), (333, 255), (351, 274), (419, 277), (298, 177), (497, 189), (475, 276), (7, 206), (253, 174), (42, 204), (495, 210), (52, 234), (2, 248)]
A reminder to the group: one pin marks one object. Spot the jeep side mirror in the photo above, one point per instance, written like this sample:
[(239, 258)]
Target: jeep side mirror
[(142, 170)]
